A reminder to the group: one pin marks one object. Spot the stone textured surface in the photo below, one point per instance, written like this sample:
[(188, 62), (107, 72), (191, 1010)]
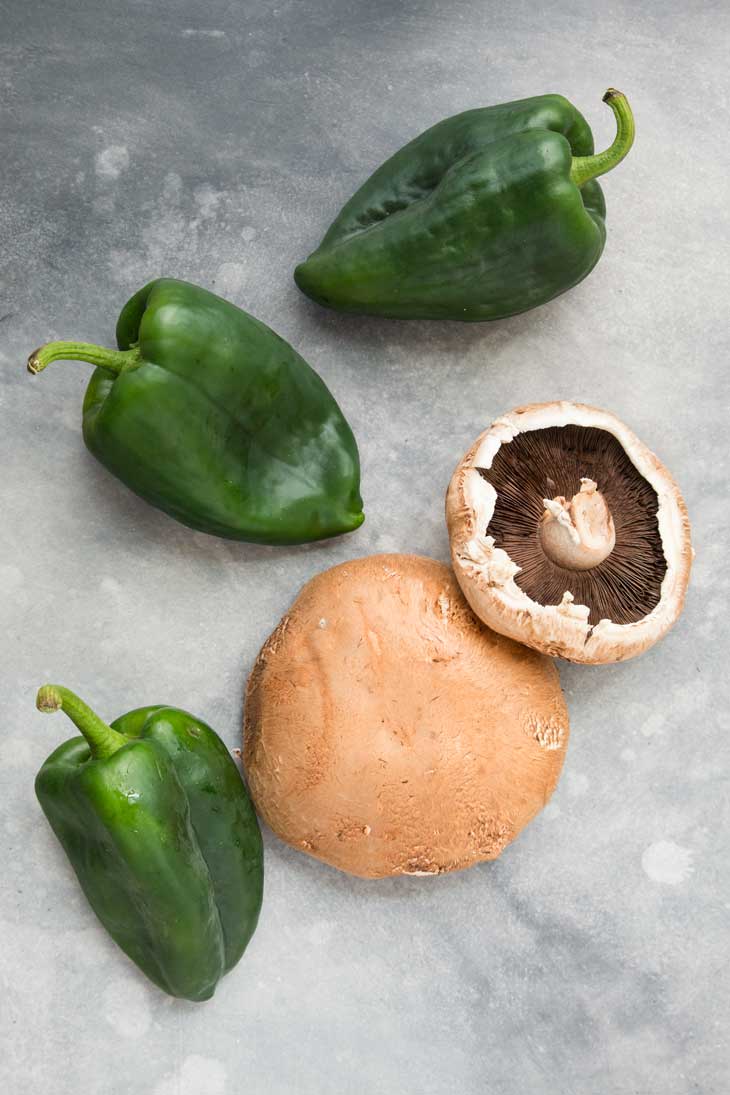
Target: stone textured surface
[(215, 142)]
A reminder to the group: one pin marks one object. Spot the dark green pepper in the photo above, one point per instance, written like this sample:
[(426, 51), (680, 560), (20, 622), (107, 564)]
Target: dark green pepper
[(157, 823), (210, 416), (486, 214)]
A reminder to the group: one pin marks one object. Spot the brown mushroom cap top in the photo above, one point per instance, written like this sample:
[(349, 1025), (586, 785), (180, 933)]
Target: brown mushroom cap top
[(568, 534), (388, 732)]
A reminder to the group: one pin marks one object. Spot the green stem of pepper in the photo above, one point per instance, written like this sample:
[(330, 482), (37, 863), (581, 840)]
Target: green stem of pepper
[(584, 168), (103, 741), (116, 361)]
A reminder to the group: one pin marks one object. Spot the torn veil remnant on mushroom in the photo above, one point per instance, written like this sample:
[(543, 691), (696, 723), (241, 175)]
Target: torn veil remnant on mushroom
[(568, 534)]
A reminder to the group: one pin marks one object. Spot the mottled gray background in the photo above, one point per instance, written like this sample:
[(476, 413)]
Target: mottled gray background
[(215, 141)]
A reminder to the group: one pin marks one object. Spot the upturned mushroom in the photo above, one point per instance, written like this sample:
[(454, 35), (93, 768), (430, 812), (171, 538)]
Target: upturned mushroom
[(387, 732), (568, 534)]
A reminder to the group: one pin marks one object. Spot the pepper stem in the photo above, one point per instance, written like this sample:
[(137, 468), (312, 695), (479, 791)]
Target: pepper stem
[(584, 168), (116, 361), (103, 740)]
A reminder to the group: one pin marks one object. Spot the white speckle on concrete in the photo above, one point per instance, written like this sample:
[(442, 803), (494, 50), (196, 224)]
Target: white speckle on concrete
[(320, 932), (112, 161), (126, 1005), (248, 233), (687, 698), (11, 578), (202, 32), (111, 586), (196, 1076), (230, 278), (172, 188), (667, 862), (628, 756), (653, 725), (207, 200), (19, 751), (385, 542), (708, 564), (103, 204), (577, 783)]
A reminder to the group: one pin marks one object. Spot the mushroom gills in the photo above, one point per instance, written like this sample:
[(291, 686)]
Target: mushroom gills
[(603, 546)]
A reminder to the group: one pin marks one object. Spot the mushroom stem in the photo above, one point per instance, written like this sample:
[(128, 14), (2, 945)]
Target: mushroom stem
[(578, 534)]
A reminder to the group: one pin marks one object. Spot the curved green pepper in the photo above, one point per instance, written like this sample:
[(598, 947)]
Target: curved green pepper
[(157, 823), (485, 215), (210, 416)]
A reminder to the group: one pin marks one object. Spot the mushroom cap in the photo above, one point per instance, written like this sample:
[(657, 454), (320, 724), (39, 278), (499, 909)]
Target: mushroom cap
[(490, 578), (388, 732)]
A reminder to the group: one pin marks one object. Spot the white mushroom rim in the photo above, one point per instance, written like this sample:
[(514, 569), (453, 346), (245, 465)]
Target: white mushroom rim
[(487, 573)]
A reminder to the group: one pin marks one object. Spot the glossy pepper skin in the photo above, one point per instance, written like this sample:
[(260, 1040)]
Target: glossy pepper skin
[(210, 416), (486, 214), (159, 828)]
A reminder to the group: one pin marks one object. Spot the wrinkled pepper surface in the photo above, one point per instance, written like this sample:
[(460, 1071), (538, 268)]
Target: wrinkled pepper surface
[(486, 214), (210, 416), (159, 828)]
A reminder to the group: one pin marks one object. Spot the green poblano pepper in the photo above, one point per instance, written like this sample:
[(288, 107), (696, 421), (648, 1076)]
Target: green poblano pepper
[(210, 416), (159, 828), (486, 214)]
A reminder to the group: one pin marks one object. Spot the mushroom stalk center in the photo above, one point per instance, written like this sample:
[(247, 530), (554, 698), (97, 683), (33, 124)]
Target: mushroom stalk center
[(578, 534)]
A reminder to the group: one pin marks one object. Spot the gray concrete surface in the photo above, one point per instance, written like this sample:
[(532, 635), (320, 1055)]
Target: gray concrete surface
[(214, 142)]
